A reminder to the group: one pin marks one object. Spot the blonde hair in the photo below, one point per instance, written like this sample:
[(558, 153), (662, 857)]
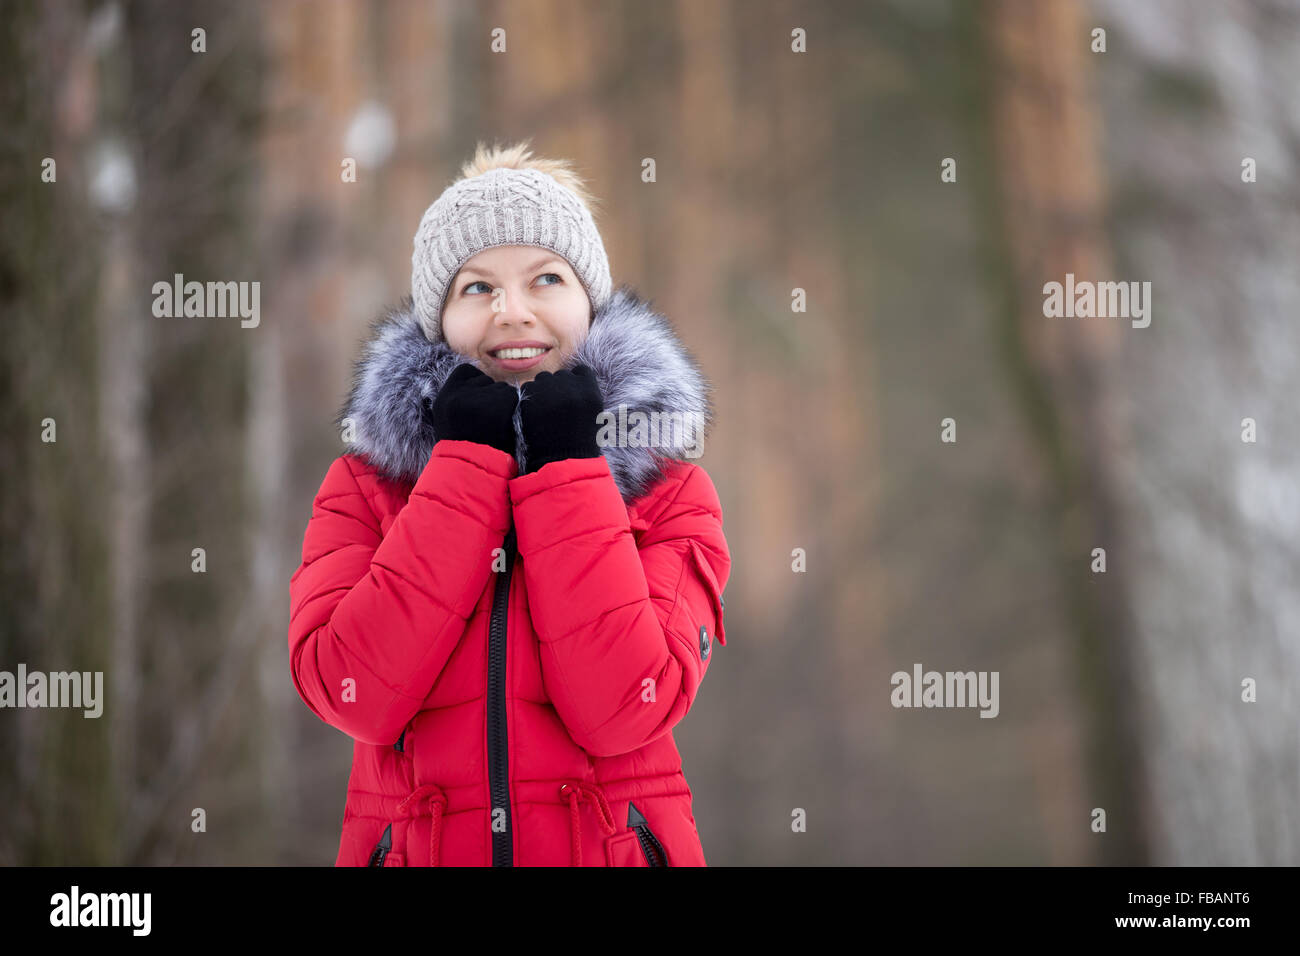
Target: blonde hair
[(519, 156)]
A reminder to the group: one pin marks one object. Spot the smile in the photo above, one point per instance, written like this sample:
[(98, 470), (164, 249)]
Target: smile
[(518, 353)]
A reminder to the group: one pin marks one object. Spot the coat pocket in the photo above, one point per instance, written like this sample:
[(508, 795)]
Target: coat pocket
[(623, 849), (704, 570)]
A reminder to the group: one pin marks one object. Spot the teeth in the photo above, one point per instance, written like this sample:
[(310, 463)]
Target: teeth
[(519, 353)]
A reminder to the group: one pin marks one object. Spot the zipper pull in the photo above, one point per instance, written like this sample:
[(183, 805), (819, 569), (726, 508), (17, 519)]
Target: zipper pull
[(650, 845), (382, 847)]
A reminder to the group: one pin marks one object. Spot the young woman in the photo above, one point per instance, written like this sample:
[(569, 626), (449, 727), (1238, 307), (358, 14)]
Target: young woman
[(511, 585)]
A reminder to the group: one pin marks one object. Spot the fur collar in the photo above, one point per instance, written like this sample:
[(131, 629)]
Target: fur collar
[(638, 360)]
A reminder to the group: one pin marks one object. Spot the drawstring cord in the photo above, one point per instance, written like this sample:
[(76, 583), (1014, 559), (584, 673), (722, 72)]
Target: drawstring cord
[(437, 802), (575, 792), (430, 798)]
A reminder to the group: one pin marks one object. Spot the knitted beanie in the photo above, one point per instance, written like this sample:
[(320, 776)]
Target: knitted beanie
[(502, 207)]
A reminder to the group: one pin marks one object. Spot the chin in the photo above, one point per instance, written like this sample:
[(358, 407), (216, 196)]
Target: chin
[(517, 378), (532, 373)]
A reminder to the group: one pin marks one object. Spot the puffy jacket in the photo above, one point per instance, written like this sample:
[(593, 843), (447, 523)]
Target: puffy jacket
[(510, 652)]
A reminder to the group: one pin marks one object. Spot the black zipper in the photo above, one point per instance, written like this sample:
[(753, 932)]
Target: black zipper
[(382, 847), (498, 767), (380, 852), (651, 848)]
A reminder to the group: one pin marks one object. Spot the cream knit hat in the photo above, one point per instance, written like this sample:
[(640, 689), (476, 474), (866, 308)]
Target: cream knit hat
[(502, 207)]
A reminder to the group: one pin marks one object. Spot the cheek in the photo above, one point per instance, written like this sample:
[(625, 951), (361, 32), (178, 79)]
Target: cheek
[(460, 338)]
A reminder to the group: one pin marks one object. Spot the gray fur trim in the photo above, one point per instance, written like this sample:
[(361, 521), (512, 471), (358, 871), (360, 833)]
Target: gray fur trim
[(638, 360)]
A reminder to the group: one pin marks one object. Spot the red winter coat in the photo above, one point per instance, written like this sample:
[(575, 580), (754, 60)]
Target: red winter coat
[(510, 652)]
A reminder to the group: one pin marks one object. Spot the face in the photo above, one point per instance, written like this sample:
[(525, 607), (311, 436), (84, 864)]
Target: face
[(524, 296)]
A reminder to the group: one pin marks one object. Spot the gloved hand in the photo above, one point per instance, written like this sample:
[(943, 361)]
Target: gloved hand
[(471, 406), (558, 415)]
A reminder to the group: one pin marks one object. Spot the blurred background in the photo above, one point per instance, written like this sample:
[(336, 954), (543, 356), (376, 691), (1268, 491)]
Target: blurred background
[(784, 160)]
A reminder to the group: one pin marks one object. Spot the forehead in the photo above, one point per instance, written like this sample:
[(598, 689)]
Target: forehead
[(511, 258)]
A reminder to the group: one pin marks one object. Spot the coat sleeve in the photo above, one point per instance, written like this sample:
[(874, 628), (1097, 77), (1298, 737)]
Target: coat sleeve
[(625, 631), (374, 617)]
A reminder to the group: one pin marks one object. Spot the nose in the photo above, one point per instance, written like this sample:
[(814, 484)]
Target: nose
[(514, 309)]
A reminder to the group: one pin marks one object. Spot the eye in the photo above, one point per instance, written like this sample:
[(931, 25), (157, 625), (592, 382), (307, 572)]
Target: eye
[(555, 274)]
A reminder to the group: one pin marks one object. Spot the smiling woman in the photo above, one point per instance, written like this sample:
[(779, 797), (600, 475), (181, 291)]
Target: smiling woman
[(506, 197), (506, 615), (516, 313)]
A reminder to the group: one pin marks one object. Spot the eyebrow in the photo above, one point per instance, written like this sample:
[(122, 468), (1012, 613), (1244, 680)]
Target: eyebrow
[(536, 265)]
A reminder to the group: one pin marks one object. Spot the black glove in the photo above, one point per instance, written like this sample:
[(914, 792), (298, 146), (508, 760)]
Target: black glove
[(558, 413), (471, 406)]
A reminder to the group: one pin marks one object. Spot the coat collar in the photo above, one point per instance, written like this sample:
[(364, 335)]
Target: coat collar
[(638, 360)]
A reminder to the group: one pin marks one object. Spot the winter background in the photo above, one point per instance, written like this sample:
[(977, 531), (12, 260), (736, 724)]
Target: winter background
[(775, 170)]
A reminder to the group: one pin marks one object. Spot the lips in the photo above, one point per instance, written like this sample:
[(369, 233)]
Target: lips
[(523, 364)]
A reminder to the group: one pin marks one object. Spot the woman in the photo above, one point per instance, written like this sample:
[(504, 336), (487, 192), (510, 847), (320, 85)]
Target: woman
[(508, 598)]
